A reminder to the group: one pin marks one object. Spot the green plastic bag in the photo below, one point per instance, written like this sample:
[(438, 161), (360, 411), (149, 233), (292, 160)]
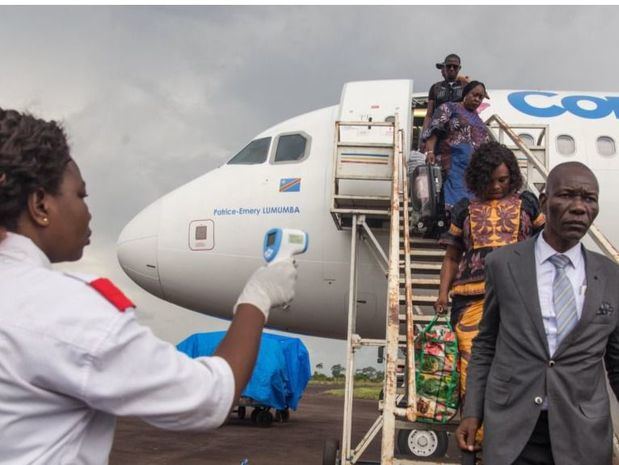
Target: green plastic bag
[(436, 372)]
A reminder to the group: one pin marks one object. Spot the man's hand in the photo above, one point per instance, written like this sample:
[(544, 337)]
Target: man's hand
[(465, 434), (270, 286)]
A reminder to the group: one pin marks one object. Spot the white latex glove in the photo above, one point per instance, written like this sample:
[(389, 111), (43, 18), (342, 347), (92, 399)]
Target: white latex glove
[(270, 286)]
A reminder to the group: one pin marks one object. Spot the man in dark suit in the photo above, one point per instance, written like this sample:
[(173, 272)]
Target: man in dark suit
[(550, 325)]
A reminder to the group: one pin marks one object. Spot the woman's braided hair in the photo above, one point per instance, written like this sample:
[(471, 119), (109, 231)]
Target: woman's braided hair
[(33, 155)]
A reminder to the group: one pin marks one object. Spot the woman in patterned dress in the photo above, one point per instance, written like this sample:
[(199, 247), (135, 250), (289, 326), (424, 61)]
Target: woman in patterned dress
[(497, 215), (455, 132)]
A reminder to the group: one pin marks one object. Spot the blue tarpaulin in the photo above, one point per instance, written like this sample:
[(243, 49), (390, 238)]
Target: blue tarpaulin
[(282, 369)]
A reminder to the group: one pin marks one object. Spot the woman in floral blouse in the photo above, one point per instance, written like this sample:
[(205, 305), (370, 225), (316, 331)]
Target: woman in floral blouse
[(497, 215), (456, 130)]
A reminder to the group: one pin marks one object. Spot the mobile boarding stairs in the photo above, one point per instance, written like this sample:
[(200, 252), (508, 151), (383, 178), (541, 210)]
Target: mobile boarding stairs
[(412, 266)]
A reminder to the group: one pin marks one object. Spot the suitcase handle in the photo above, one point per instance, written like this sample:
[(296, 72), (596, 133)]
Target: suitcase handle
[(468, 458)]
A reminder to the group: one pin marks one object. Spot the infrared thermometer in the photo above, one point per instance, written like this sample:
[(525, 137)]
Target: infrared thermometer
[(282, 243)]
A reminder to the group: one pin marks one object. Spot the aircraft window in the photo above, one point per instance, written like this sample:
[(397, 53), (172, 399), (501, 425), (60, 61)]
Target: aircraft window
[(527, 139), (606, 145), (566, 145), (253, 153), (290, 147)]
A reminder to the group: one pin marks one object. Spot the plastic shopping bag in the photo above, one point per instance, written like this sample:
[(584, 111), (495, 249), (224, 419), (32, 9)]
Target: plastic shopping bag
[(437, 376)]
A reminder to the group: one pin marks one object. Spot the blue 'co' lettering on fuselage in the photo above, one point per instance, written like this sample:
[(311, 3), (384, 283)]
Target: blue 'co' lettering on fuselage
[(600, 107)]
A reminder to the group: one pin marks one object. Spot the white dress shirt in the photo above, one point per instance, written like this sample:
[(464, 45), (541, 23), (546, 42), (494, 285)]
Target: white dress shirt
[(545, 272), (70, 362)]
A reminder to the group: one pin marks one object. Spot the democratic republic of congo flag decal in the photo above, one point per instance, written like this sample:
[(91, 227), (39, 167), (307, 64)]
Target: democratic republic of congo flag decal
[(290, 185)]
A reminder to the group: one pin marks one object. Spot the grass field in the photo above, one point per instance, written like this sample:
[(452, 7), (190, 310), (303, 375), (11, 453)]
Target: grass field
[(360, 392), (364, 389)]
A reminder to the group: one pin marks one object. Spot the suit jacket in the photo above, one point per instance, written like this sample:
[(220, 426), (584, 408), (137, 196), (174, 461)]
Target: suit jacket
[(511, 370)]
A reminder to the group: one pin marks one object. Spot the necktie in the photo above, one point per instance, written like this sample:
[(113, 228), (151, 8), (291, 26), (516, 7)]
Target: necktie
[(563, 298)]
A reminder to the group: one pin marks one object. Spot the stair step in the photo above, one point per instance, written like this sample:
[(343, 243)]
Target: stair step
[(420, 299), (426, 254), (422, 319), (427, 267), (430, 253), (422, 243), (423, 283)]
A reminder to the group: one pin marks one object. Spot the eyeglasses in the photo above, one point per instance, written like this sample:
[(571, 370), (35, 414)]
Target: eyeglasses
[(452, 66)]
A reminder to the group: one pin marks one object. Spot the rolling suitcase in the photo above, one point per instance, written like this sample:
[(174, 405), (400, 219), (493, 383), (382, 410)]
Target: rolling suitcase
[(428, 214)]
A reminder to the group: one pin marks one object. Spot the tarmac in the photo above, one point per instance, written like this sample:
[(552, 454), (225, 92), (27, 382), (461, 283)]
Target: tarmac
[(300, 440)]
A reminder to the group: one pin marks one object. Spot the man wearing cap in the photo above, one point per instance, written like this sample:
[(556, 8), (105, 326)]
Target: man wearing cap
[(447, 90)]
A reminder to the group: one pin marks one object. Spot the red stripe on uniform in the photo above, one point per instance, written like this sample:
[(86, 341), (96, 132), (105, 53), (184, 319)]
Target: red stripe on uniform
[(107, 289)]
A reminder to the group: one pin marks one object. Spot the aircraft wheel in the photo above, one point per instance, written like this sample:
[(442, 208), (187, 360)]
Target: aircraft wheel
[(422, 443), (330, 452), (241, 412), (264, 418)]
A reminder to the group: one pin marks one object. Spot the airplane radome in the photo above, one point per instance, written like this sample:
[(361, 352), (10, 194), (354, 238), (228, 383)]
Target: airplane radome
[(197, 245)]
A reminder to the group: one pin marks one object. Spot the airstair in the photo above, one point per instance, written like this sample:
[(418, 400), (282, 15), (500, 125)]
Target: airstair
[(409, 299), (412, 267)]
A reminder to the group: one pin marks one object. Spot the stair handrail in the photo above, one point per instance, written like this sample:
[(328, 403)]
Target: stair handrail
[(411, 382), (594, 231)]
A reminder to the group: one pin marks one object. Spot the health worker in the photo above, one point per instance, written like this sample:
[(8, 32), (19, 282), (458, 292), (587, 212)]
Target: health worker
[(72, 354)]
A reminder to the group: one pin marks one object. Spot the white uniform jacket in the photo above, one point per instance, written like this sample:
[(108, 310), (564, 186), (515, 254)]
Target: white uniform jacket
[(70, 361)]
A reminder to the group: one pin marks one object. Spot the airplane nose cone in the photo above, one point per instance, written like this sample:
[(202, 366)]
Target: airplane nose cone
[(137, 249)]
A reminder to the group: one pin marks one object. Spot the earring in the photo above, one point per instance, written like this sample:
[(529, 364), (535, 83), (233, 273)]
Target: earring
[(45, 220)]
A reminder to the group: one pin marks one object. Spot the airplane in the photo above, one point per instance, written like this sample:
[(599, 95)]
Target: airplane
[(197, 245)]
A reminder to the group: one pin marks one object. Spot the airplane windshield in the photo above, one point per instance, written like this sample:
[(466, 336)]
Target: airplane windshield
[(290, 147), (253, 153)]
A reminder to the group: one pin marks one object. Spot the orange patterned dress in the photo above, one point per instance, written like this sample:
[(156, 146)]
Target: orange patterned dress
[(477, 228)]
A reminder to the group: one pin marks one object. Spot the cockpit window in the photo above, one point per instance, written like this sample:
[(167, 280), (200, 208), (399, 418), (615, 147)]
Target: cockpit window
[(290, 147), (254, 153)]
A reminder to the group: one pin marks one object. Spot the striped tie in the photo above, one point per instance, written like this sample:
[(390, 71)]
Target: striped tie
[(563, 298)]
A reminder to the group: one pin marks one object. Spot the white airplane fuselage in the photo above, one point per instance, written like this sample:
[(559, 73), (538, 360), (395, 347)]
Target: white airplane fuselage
[(197, 245)]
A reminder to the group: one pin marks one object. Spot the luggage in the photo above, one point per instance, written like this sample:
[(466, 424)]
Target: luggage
[(436, 372), (415, 158), (282, 368), (428, 214)]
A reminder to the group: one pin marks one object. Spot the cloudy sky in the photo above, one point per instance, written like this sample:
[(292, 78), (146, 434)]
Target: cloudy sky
[(153, 97)]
